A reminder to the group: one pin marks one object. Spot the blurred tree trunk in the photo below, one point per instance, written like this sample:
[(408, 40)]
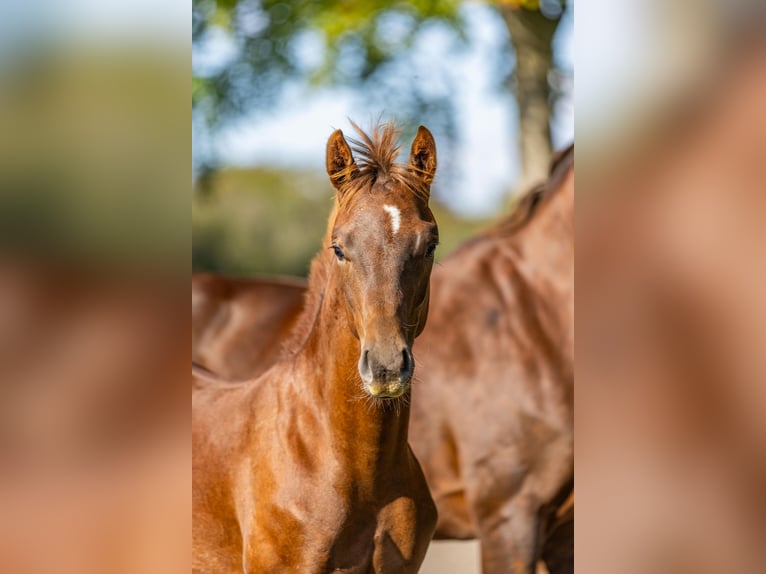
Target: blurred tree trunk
[(532, 35)]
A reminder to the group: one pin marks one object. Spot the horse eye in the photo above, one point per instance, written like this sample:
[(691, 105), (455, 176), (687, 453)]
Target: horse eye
[(431, 250), (338, 253)]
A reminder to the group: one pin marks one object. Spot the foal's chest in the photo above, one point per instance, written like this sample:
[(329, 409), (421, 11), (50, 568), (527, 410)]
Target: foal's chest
[(383, 540), (387, 541)]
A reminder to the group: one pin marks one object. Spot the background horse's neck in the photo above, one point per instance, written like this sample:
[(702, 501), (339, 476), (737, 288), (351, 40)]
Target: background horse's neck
[(529, 258), (549, 234), (544, 261)]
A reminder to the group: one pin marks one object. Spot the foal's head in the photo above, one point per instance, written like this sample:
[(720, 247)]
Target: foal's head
[(384, 237)]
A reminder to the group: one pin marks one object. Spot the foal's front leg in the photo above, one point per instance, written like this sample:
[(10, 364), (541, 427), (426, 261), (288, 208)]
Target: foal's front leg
[(404, 530)]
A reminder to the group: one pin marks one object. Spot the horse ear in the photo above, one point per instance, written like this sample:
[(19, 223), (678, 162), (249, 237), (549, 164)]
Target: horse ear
[(340, 163), (423, 155)]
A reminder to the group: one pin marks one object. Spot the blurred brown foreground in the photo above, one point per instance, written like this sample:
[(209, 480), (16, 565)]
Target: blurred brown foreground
[(671, 315), (94, 423)]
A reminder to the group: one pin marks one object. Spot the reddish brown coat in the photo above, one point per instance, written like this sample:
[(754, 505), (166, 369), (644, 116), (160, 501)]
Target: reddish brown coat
[(307, 468)]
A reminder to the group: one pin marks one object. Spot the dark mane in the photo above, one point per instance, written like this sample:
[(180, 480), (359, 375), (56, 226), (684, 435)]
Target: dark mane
[(375, 158), (529, 203)]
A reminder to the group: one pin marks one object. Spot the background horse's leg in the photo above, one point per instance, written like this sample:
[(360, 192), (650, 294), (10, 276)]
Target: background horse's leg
[(510, 538), (558, 551)]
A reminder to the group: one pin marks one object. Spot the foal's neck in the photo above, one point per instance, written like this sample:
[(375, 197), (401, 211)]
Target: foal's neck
[(368, 435)]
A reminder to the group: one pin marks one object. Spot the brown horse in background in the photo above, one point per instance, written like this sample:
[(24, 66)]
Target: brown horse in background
[(496, 438), (307, 468), (499, 355), (242, 322)]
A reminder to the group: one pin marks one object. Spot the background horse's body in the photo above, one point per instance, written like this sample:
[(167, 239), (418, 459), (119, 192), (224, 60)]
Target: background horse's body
[(496, 436), (243, 322), (307, 467), (492, 421)]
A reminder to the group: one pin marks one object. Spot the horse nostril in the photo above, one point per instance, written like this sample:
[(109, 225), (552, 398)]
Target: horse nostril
[(408, 365), (364, 366)]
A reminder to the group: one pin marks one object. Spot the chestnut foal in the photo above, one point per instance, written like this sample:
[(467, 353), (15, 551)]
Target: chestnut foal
[(307, 468)]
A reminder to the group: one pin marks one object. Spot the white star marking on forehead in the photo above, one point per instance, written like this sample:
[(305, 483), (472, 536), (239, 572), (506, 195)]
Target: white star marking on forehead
[(395, 216)]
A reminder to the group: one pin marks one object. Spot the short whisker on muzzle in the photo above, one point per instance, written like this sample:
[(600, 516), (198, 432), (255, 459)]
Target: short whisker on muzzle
[(372, 403), (363, 397)]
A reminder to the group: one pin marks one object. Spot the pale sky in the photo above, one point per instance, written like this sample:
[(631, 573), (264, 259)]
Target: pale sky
[(295, 134), (636, 55)]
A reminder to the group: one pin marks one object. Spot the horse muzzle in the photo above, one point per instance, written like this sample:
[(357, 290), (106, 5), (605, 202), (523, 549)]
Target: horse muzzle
[(386, 376)]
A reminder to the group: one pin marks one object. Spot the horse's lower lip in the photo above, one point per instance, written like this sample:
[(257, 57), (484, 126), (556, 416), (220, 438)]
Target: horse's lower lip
[(386, 390)]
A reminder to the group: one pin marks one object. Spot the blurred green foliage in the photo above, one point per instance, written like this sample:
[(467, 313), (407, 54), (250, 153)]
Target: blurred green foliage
[(267, 221), (324, 42), (246, 52), (92, 161)]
